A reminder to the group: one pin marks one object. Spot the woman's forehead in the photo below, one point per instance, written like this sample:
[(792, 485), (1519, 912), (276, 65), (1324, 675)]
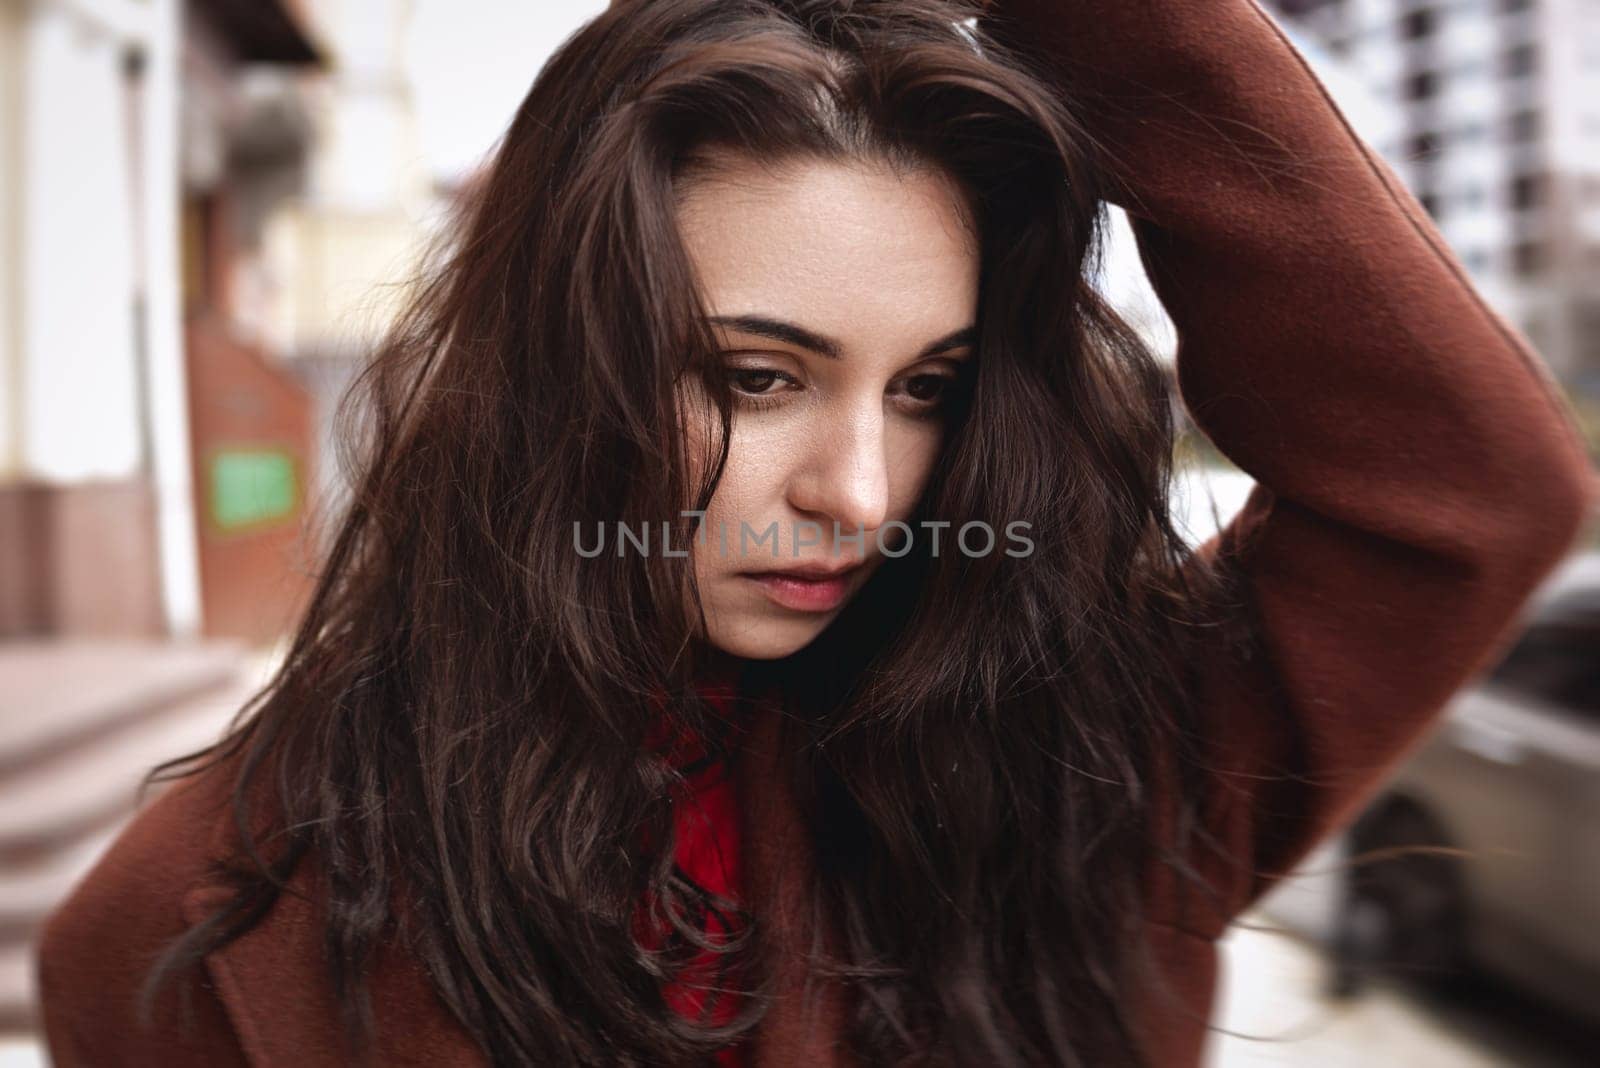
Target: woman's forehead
[(844, 249)]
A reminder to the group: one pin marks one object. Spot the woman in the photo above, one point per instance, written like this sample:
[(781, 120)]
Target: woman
[(522, 795)]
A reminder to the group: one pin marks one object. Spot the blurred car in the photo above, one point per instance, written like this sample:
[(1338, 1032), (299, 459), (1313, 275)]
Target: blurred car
[(1485, 845)]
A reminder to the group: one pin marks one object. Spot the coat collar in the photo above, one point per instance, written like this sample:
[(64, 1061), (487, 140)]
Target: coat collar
[(274, 985)]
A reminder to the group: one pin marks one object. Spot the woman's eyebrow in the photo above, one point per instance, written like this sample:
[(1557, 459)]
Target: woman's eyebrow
[(795, 334)]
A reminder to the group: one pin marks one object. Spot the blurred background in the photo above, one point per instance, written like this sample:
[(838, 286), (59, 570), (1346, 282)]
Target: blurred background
[(207, 211)]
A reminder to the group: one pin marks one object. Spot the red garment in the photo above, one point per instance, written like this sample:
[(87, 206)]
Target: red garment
[(706, 819)]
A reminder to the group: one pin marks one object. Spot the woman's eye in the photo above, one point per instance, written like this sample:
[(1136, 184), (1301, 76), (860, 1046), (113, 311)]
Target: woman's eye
[(760, 386), (930, 395), (928, 387), (754, 380)]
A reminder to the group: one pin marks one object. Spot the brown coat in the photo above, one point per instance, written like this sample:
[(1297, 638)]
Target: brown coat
[(1417, 478)]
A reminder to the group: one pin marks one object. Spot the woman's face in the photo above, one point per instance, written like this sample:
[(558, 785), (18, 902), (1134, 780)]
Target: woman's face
[(844, 299)]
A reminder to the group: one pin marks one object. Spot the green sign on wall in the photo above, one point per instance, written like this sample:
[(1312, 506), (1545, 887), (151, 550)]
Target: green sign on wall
[(251, 486)]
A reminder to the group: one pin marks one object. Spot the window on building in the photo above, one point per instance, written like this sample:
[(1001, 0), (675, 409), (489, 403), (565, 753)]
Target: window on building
[(1527, 191), (1527, 258), (1418, 24), (1520, 61), (1586, 316), (1305, 7), (1423, 145), (1522, 126), (1421, 85)]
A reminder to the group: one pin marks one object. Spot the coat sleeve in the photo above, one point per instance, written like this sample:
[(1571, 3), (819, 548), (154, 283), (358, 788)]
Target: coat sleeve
[(1417, 471)]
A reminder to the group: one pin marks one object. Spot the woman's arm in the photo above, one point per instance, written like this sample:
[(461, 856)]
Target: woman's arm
[(1417, 473)]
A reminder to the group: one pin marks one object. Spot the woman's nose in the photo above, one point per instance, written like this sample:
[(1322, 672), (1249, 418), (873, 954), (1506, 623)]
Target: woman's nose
[(845, 479)]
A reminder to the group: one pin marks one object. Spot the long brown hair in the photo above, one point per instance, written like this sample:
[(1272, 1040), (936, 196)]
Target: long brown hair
[(459, 722)]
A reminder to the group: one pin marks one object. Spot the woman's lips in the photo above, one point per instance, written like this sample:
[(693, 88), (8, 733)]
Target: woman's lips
[(803, 594)]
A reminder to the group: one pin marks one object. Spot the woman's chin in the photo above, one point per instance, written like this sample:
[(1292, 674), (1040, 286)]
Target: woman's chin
[(768, 639)]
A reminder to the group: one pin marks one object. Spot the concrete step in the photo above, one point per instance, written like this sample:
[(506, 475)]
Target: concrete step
[(70, 783), (57, 694), (53, 805), (28, 894), (22, 1051), (19, 1008)]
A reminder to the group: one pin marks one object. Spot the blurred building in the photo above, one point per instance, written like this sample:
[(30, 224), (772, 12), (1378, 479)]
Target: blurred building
[(122, 219), (318, 245), (93, 509), (134, 155), (207, 209), (245, 148), (202, 203), (1500, 140), (337, 257)]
